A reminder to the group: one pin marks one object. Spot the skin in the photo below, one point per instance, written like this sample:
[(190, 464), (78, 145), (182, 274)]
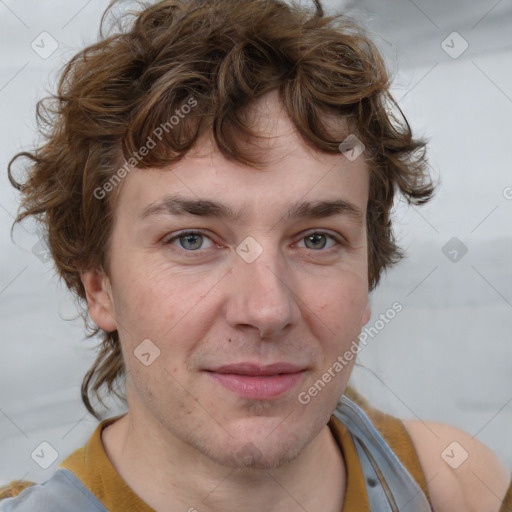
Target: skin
[(293, 304), (478, 484), (299, 302)]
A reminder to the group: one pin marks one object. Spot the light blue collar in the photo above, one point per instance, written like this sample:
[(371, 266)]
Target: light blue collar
[(389, 485)]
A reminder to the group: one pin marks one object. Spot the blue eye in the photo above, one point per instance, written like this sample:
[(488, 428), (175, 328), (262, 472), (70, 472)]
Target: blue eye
[(193, 241), (317, 240), (188, 240)]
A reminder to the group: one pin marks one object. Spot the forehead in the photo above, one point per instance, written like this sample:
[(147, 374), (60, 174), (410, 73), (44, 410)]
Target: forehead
[(294, 171)]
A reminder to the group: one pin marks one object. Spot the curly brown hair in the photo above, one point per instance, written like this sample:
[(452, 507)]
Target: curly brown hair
[(224, 54)]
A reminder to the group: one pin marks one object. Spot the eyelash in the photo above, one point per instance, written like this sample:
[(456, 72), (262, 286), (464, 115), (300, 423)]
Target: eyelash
[(340, 242)]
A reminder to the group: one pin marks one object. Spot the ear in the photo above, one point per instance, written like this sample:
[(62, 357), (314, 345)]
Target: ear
[(98, 292), (367, 311)]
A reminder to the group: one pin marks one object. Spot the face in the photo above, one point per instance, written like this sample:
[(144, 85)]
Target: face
[(247, 305)]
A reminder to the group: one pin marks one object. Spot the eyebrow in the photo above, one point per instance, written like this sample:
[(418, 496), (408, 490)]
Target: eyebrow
[(178, 205)]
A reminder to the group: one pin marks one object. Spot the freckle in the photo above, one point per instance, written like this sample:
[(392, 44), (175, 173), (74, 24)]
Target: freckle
[(229, 340)]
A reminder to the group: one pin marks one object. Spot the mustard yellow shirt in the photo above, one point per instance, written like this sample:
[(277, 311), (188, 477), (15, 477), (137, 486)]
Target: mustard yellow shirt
[(91, 464)]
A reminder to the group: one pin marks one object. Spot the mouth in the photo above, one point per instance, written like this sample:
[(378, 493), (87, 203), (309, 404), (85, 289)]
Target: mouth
[(257, 382)]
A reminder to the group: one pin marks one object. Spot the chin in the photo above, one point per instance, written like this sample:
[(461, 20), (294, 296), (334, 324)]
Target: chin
[(250, 456), (261, 450)]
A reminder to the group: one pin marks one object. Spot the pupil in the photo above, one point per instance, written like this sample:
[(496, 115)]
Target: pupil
[(315, 238), (188, 238)]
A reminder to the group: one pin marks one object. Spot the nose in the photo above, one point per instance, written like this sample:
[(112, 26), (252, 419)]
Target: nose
[(261, 296)]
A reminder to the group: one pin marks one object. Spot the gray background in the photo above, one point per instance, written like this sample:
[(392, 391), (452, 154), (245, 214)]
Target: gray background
[(446, 357)]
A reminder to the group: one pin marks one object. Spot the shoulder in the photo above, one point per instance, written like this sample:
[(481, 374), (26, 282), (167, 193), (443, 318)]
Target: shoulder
[(62, 492), (14, 488), (21, 496), (461, 472)]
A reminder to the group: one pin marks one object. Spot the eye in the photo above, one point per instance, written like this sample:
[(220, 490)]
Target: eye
[(193, 241), (188, 240), (318, 240)]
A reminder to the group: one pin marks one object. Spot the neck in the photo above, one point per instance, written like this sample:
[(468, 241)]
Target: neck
[(314, 480)]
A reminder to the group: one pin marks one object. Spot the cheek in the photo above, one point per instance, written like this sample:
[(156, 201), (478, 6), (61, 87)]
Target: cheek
[(156, 302), (342, 302), (144, 304), (341, 315)]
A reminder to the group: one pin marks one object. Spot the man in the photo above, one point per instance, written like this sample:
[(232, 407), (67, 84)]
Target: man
[(217, 187)]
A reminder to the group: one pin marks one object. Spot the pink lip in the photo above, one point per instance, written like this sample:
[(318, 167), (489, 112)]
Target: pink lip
[(257, 382)]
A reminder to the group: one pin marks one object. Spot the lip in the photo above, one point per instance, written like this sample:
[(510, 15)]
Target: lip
[(257, 370), (258, 382)]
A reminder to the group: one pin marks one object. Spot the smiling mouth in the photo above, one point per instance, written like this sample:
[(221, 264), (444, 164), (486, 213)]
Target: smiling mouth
[(257, 382)]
